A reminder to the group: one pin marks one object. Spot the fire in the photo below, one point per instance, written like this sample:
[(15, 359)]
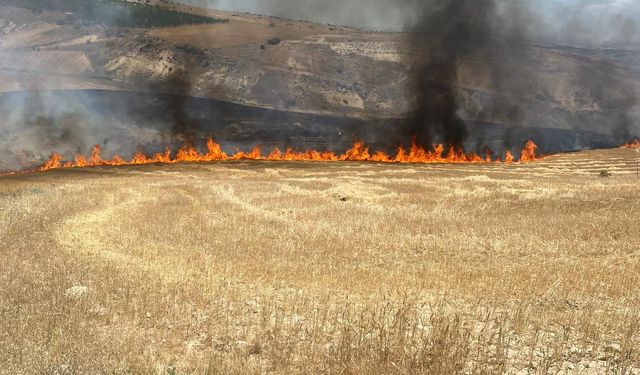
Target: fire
[(96, 159), (53, 162), (528, 152), (359, 152), (633, 144), (508, 158)]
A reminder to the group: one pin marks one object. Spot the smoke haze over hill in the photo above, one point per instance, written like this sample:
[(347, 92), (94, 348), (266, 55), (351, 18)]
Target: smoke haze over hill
[(466, 73), (446, 35)]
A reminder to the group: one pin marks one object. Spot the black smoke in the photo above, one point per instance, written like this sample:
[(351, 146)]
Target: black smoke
[(177, 89), (452, 35), (179, 85), (477, 62)]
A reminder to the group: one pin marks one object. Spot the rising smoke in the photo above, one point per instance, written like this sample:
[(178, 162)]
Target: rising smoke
[(496, 40), (491, 42), (447, 32), (479, 37), (451, 43)]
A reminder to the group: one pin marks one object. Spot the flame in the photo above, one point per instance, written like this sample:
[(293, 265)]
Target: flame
[(508, 158), (632, 144), (528, 152), (53, 162), (96, 159), (359, 152)]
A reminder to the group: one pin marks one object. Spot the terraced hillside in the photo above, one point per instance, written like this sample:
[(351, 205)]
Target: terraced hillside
[(250, 267), (311, 68)]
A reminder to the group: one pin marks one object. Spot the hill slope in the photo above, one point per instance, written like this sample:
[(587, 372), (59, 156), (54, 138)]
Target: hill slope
[(302, 67)]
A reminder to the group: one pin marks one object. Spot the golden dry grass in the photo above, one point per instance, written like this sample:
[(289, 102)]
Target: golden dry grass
[(323, 268)]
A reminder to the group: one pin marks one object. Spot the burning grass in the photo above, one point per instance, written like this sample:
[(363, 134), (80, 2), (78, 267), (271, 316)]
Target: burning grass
[(359, 152), (322, 268)]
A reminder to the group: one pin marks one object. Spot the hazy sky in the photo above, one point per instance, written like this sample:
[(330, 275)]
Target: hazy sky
[(595, 21)]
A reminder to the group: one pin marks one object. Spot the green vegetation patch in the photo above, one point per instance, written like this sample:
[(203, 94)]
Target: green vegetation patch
[(117, 13)]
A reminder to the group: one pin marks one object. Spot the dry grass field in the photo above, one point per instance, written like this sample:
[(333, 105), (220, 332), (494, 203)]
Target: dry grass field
[(342, 268)]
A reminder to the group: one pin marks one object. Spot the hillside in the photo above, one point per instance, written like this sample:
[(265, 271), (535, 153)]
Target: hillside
[(298, 67)]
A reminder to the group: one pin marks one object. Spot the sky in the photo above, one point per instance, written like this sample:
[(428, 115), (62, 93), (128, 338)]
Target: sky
[(570, 21)]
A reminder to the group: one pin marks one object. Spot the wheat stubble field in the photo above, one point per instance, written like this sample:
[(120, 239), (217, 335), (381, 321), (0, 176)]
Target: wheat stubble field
[(344, 268)]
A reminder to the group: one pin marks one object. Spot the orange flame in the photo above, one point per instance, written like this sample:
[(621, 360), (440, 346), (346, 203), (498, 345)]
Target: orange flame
[(96, 159), (359, 152), (633, 144), (52, 163), (508, 158), (528, 152)]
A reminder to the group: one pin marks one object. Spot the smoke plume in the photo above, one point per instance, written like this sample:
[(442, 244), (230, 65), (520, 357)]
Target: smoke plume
[(452, 35), (447, 31), (471, 65), (492, 43)]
